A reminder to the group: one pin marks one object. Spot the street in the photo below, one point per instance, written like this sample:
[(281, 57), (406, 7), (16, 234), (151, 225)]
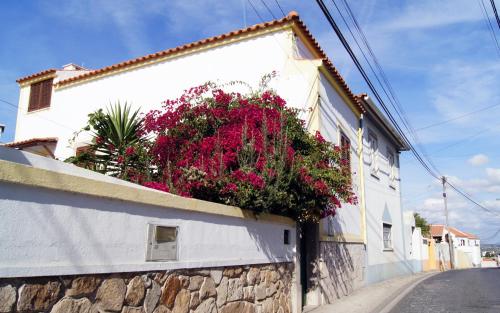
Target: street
[(471, 290)]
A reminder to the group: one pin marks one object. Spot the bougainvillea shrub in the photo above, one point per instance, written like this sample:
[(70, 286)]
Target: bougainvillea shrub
[(249, 151)]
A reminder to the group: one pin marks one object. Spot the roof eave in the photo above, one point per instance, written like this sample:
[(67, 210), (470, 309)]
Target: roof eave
[(39, 75), (383, 122)]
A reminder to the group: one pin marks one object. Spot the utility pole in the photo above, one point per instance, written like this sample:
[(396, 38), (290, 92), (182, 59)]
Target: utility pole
[(450, 241)]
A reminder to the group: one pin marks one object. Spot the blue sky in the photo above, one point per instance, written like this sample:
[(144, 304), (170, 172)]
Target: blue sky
[(438, 55)]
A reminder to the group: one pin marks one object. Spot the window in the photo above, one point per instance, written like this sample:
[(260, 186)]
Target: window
[(40, 93), (387, 236), (373, 145), (345, 146), (392, 167)]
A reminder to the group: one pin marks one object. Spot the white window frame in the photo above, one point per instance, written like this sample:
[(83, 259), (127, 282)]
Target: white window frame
[(387, 242), (374, 152)]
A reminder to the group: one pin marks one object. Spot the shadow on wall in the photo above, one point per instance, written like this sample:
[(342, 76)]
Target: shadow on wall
[(339, 271), (90, 219)]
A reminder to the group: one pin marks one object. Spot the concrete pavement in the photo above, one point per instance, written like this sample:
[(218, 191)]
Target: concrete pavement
[(376, 298), (464, 291)]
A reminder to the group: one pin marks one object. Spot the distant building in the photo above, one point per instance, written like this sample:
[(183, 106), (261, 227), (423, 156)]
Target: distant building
[(466, 246)]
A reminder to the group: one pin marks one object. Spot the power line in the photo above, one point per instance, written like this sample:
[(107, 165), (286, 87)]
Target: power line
[(393, 99), (463, 140), (468, 197), (488, 24), (281, 9), (457, 117), (268, 9), (495, 12), (492, 236), (255, 10), (346, 45), (43, 118)]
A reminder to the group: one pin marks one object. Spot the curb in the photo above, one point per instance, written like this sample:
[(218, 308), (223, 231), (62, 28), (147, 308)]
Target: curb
[(400, 294)]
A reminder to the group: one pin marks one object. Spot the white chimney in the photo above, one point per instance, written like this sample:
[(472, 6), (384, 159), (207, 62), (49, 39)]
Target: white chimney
[(73, 67)]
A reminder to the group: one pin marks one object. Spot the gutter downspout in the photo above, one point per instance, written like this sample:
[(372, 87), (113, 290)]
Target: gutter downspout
[(407, 257), (363, 195), (362, 179)]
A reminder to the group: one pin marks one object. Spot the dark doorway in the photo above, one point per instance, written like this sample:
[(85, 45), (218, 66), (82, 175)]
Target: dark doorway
[(309, 253)]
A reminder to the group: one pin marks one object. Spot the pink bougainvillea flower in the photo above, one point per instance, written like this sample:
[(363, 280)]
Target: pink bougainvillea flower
[(156, 185), (130, 151)]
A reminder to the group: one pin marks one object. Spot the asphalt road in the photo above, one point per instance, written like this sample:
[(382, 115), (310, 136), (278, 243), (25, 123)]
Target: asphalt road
[(460, 291)]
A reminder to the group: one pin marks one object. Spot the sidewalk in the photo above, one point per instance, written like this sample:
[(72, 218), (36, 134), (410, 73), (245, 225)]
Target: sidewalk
[(376, 298)]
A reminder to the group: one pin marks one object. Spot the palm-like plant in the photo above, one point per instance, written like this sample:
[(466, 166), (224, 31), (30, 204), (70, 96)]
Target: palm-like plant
[(118, 146)]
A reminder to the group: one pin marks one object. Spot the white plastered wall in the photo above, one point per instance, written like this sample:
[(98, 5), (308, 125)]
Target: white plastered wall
[(146, 87), (383, 205), (336, 116), (50, 232)]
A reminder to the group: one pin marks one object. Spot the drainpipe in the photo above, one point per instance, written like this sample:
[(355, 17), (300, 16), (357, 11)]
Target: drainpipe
[(362, 191), (403, 225)]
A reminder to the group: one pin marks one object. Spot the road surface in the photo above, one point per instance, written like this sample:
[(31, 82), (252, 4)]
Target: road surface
[(460, 291)]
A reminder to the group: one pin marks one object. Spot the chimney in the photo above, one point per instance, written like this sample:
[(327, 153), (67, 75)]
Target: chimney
[(73, 67)]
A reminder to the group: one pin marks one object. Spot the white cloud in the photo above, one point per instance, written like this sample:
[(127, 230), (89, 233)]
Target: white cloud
[(478, 160), (493, 174), (431, 13)]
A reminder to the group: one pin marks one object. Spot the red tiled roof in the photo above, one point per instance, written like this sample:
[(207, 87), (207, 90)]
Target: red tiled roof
[(471, 236), (30, 142), (436, 230), (291, 18), (457, 232), (45, 72)]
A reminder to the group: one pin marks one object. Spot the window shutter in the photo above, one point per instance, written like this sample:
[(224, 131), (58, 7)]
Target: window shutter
[(40, 95), (34, 97), (46, 93)]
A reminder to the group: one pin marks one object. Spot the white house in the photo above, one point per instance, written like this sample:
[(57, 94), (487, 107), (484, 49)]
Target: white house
[(364, 243), (466, 246)]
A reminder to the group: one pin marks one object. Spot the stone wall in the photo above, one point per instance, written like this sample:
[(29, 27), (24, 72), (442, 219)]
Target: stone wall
[(255, 288), (342, 269)]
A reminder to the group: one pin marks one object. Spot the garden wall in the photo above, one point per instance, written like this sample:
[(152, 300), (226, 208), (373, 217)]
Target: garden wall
[(74, 240), (258, 288)]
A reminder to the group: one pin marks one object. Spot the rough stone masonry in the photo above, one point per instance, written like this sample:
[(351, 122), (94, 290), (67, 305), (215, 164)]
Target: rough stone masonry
[(249, 289)]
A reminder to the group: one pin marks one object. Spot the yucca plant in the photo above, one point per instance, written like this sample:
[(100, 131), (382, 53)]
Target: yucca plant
[(118, 146)]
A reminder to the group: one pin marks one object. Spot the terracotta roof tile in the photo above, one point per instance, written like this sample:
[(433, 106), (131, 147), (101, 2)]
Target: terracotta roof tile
[(45, 72), (291, 18), (30, 142), (470, 236), (436, 230), (174, 50)]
